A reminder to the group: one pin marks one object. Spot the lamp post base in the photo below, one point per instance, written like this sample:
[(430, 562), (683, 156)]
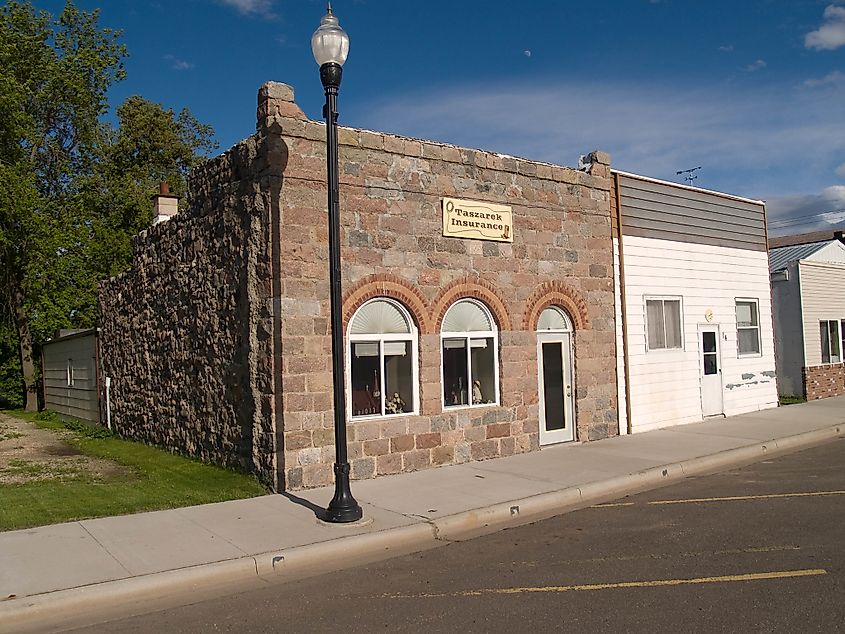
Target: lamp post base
[(343, 508)]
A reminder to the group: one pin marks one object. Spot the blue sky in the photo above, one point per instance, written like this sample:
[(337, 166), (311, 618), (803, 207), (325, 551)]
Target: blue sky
[(753, 91)]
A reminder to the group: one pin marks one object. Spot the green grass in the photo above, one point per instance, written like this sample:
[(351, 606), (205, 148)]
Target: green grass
[(152, 479), (792, 400)]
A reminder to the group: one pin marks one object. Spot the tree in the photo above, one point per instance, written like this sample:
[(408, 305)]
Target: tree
[(150, 145), (54, 75)]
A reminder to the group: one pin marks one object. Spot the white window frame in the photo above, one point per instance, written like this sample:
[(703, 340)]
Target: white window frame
[(69, 375), (840, 338), (664, 298), (474, 334), (412, 337), (756, 302)]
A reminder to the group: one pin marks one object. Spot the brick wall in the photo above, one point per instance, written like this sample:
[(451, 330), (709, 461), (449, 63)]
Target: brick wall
[(218, 338), (392, 246), (822, 381)]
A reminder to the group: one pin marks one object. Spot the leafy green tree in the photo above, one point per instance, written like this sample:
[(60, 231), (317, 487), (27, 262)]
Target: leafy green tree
[(151, 144), (54, 75)]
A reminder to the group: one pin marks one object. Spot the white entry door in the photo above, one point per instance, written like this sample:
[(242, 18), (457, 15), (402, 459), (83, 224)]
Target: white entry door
[(710, 364), (554, 360)]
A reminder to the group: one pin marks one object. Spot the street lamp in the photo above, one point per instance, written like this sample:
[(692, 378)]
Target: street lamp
[(330, 46)]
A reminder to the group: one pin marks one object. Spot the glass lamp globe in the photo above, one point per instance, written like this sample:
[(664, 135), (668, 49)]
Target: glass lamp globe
[(330, 43)]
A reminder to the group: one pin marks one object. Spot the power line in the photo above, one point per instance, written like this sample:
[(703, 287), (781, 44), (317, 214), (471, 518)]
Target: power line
[(801, 219)]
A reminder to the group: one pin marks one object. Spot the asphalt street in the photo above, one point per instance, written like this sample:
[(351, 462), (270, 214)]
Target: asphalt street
[(758, 548)]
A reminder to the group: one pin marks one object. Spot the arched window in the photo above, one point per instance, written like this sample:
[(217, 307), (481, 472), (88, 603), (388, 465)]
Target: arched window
[(470, 346), (382, 360), (554, 319)]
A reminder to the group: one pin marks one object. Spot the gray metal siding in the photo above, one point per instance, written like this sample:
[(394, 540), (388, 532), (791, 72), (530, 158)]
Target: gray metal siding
[(81, 399), (655, 210)]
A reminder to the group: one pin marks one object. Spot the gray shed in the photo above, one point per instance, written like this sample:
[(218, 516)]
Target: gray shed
[(71, 376)]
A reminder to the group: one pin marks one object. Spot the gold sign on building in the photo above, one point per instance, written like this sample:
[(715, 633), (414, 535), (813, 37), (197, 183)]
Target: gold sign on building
[(477, 220)]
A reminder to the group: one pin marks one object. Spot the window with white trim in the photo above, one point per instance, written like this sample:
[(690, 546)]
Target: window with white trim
[(832, 333), (382, 360), (747, 327), (663, 323), (470, 347)]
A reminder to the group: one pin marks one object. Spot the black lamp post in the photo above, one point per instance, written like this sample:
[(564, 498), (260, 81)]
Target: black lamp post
[(330, 46)]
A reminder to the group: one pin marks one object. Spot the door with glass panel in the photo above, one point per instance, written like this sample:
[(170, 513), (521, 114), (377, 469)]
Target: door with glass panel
[(555, 377), (710, 364)]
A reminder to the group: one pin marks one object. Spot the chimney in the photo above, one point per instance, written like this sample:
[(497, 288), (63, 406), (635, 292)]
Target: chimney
[(165, 204)]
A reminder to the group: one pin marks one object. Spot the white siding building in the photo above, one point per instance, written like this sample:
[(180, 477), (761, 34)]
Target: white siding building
[(694, 313), (808, 290)]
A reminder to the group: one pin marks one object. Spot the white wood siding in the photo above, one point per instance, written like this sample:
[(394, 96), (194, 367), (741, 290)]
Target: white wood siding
[(822, 297), (80, 400), (620, 347), (665, 384)]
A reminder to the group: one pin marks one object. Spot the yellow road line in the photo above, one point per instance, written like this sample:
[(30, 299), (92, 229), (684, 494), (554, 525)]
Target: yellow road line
[(756, 576), (750, 497)]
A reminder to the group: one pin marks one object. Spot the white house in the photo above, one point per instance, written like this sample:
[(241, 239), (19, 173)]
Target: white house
[(808, 292), (693, 310)]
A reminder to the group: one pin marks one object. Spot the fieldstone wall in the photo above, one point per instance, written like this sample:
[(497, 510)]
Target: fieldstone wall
[(188, 333), (822, 381), (390, 189), (218, 342)]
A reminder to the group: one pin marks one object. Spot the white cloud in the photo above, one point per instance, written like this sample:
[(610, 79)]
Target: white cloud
[(834, 78), (726, 48), (757, 142), (759, 64), (527, 53), (840, 171), (811, 212), (251, 7), (178, 64), (831, 34)]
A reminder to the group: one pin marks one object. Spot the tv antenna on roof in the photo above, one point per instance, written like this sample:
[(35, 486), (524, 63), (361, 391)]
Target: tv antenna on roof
[(690, 176)]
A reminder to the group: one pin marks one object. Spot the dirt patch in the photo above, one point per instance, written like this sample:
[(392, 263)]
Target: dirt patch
[(30, 454)]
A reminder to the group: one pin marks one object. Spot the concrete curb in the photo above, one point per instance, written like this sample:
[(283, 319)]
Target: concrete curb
[(471, 524), (33, 612)]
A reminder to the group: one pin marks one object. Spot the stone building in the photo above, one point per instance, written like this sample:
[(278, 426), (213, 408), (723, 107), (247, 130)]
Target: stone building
[(458, 348)]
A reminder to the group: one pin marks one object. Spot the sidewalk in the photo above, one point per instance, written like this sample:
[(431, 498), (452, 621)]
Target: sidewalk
[(49, 572)]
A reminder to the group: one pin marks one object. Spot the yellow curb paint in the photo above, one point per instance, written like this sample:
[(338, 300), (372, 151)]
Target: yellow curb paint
[(750, 497), (756, 576)]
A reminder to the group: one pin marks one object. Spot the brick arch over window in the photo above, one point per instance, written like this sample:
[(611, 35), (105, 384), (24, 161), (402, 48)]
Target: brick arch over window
[(393, 287), (556, 294), (470, 287)]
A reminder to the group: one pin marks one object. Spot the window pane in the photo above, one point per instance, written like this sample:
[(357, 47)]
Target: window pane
[(746, 314), (710, 363), (553, 389), (654, 317), (378, 317), (672, 310), (455, 378), (825, 336), (483, 371), (748, 341), (366, 380), (398, 382), (842, 332), (833, 327), (466, 316)]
